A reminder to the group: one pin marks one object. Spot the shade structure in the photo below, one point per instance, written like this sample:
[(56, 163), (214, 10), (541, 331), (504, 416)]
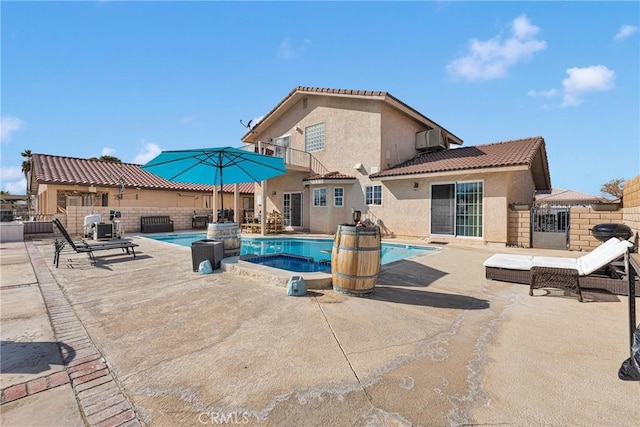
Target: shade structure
[(215, 166)]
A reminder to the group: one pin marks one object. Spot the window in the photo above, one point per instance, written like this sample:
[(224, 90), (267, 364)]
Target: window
[(373, 195), (319, 197), (338, 197), (456, 209), (469, 209), (314, 138)]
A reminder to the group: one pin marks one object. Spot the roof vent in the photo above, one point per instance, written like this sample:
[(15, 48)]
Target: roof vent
[(431, 140)]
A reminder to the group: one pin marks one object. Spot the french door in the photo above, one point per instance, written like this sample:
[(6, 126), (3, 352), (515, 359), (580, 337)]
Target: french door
[(292, 215)]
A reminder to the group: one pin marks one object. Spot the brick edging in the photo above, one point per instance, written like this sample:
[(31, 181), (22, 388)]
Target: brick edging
[(101, 400), (28, 388)]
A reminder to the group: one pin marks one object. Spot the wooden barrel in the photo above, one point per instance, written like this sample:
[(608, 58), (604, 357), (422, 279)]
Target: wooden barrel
[(355, 259), (229, 234)]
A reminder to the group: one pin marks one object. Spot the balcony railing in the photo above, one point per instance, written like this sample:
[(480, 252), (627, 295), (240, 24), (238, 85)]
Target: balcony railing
[(293, 159)]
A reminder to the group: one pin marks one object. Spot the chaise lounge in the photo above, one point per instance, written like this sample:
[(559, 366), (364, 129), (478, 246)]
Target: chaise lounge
[(82, 246), (588, 271)]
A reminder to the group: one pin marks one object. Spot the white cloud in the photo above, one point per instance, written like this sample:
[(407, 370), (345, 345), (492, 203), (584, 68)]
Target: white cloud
[(543, 93), (16, 187), (187, 120), (148, 152), (625, 31), (11, 174), (287, 50), (595, 78), (108, 151), (492, 59), (13, 180), (8, 125)]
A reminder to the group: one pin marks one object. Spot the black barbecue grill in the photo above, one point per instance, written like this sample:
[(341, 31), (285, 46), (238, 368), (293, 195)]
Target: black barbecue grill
[(604, 232)]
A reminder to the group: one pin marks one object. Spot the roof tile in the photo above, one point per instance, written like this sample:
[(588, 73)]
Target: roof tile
[(70, 170), (329, 175), (500, 154)]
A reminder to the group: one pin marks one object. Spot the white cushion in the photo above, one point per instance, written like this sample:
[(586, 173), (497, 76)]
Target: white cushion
[(604, 254), (594, 261), (509, 261)]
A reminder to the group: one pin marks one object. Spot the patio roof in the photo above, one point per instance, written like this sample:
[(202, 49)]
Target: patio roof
[(49, 169)]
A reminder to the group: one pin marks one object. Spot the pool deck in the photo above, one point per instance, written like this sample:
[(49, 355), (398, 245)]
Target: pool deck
[(146, 341)]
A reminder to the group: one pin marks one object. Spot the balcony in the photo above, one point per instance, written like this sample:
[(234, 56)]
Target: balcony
[(295, 160)]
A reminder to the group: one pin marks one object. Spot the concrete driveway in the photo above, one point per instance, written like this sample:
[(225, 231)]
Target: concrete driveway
[(436, 344)]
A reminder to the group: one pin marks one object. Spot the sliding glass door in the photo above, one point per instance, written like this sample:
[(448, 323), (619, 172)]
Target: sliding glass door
[(443, 209), (456, 209)]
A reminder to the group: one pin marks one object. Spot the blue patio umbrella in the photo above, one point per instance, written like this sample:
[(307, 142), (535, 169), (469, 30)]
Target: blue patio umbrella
[(215, 166)]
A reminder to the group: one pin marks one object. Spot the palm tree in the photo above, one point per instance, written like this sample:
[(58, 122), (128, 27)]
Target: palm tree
[(26, 165)]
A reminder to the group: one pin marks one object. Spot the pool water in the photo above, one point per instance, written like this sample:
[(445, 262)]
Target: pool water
[(317, 249), (290, 262)]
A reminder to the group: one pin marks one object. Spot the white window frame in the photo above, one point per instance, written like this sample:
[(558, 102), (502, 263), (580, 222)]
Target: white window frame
[(319, 198), (373, 198), (310, 145), (336, 197)]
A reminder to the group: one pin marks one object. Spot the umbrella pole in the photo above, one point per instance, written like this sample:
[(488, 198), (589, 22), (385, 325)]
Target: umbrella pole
[(221, 193)]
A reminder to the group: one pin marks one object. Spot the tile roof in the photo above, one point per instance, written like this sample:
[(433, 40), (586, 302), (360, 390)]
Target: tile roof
[(50, 169), (328, 175), (517, 152), (567, 197), (386, 96)]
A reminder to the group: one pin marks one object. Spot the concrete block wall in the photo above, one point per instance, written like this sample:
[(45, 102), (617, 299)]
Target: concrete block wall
[(130, 217), (631, 206), (519, 229), (582, 220)]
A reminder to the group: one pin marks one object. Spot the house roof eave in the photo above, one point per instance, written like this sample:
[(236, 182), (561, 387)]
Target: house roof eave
[(299, 92), (451, 172)]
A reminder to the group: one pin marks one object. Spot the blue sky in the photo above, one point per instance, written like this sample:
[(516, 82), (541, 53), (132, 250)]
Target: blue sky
[(129, 79)]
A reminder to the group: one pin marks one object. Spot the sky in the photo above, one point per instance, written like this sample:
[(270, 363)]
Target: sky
[(129, 79)]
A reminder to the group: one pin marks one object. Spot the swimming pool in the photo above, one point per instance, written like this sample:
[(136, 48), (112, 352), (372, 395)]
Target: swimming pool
[(318, 249)]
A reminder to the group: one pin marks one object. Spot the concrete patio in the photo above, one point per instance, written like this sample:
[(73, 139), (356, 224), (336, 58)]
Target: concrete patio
[(146, 341)]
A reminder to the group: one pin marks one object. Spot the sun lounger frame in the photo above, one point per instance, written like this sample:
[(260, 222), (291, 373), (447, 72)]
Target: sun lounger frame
[(82, 246), (592, 281)]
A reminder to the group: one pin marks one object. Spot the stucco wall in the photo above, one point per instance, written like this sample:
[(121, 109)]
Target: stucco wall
[(521, 188), (406, 210), (375, 135), (582, 220), (398, 137), (352, 135), (142, 198), (631, 206)]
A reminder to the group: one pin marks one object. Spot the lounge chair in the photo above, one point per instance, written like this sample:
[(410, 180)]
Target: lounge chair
[(81, 246), (566, 273)]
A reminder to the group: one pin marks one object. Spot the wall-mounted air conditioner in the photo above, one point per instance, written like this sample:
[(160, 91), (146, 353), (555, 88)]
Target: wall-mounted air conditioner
[(431, 140)]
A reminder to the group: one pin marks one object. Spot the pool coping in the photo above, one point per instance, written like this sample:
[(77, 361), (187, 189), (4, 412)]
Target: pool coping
[(276, 276), (279, 277)]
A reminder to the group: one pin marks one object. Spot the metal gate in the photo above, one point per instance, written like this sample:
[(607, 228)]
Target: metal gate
[(550, 227)]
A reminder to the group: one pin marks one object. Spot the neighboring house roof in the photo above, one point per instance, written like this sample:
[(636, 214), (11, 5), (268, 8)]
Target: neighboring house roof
[(334, 177), (526, 152), (328, 175), (571, 197), (302, 91), (48, 169)]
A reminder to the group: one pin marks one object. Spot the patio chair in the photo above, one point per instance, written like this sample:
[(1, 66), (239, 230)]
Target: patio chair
[(571, 274), (81, 246)]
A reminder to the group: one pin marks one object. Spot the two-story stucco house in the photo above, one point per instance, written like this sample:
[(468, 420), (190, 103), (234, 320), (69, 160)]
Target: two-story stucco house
[(367, 151)]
